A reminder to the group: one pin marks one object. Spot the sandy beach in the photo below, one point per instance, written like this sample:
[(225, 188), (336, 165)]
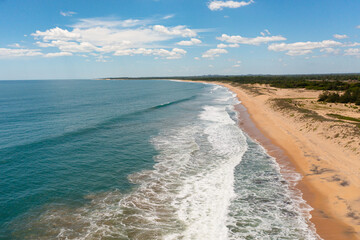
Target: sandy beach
[(325, 151)]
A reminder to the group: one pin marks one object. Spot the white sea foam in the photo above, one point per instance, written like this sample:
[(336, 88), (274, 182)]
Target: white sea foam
[(267, 206), (203, 201)]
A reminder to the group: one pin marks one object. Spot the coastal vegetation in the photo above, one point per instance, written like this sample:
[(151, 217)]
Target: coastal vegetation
[(293, 106), (338, 88), (338, 116), (351, 95), (337, 82)]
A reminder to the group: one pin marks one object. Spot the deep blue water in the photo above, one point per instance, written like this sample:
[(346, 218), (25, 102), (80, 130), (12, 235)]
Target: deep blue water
[(149, 159)]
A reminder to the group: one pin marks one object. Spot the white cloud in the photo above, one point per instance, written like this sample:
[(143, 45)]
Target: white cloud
[(220, 5), (175, 31), (355, 44), (169, 16), (125, 37), (298, 52), (236, 65), (330, 50), (67, 14), (193, 41), (120, 38), (352, 52), (211, 53), (15, 45), (196, 58), (66, 46), (338, 36), (221, 45), (10, 52), (358, 26), (250, 41), (265, 32), (108, 23), (56, 34), (302, 48), (58, 54), (175, 53)]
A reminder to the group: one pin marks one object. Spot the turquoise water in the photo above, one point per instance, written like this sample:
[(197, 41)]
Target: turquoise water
[(136, 160)]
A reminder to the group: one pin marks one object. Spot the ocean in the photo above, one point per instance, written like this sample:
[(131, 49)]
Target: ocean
[(145, 159)]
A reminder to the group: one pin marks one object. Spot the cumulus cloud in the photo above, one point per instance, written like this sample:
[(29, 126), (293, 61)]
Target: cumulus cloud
[(302, 48), (192, 41), (67, 14), (339, 36), (221, 45), (211, 53), (11, 52), (117, 37), (56, 34), (220, 5), (250, 41), (58, 54), (175, 31), (66, 46), (175, 53)]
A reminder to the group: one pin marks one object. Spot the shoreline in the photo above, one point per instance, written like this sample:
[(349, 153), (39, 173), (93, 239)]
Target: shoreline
[(287, 151), (287, 166)]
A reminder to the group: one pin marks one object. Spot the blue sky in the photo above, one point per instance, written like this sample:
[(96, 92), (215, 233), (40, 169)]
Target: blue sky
[(63, 39)]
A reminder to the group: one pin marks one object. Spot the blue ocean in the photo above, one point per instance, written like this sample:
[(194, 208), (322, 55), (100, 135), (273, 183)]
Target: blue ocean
[(144, 159)]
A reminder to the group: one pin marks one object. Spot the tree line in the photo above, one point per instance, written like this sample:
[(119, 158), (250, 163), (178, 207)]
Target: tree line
[(332, 85), (351, 95)]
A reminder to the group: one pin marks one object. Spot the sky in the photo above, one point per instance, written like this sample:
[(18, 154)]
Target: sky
[(86, 39)]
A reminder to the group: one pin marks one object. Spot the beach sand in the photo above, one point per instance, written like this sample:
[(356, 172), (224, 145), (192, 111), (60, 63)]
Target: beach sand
[(295, 129)]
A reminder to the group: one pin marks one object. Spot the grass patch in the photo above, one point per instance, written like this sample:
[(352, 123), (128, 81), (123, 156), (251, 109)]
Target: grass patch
[(290, 105), (251, 88), (338, 116)]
